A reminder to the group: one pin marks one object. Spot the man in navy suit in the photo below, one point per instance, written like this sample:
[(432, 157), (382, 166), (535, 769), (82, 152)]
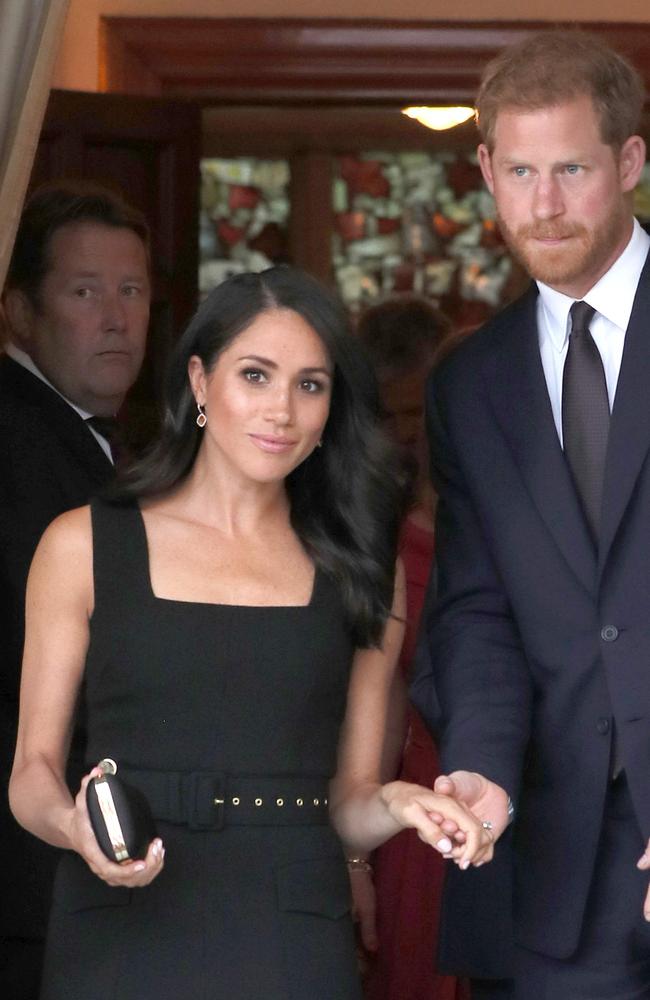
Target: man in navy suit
[(77, 307), (540, 435)]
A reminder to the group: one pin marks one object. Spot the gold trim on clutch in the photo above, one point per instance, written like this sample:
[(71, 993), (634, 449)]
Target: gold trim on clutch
[(109, 812)]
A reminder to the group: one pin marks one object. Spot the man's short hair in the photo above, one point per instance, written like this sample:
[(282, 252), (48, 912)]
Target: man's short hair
[(552, 67), (57, 204)]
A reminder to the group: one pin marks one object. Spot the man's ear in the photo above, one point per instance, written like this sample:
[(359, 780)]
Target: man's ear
[(19, 313), (631, 162), (485, 163)]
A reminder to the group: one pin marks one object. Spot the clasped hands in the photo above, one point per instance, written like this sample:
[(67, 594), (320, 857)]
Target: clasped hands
[(450, 817), (489, 803), (462, 817)]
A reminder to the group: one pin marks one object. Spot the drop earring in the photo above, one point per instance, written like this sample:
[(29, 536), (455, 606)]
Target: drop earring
[(201, 420)]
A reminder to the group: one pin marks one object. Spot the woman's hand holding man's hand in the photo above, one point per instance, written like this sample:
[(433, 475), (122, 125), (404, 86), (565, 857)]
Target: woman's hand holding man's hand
[(445, 822)]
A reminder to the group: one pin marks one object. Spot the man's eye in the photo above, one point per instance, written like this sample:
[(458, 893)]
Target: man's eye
[(83, 293), (573, 168), (520, 171), (132, 291)]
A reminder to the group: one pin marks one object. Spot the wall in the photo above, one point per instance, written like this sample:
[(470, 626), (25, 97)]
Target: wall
[(77, 65)]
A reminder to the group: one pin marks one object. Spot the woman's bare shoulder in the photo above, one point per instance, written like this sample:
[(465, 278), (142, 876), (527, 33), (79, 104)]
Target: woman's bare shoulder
[(69, 535)]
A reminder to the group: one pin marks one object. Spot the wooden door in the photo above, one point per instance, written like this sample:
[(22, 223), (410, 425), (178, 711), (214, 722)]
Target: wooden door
[(149, 149)]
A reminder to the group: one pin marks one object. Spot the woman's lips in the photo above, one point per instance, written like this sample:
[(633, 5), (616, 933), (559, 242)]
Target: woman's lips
[(272, 444)]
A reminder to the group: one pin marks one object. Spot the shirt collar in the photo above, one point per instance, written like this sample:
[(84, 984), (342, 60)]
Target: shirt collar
[(24, 360), (612, 296)]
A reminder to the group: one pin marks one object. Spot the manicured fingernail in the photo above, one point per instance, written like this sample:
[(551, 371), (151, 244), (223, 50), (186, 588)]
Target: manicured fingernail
[(444, 845), (643, 861), (465, 864), (139, 866), (647, 915), (447, 855)]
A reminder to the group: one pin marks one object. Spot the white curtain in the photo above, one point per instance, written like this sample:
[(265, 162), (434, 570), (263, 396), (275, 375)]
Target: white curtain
[(30, 35)]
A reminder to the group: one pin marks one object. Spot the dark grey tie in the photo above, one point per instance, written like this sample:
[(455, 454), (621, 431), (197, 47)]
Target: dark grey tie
[(585, 426), (585, 414)]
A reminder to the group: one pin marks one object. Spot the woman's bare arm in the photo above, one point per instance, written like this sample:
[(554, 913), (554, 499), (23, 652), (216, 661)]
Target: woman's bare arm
[(58, 609), (366, 812)]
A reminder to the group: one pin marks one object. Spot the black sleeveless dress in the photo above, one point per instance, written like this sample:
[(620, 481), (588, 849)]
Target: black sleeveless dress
[(227, 717)]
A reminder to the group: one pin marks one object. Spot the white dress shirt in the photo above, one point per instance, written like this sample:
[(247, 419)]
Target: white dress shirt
[(23, 359), (612, 297)]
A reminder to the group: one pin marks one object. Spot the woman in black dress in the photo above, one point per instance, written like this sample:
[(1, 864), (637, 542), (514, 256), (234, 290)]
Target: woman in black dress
[(231, 620)]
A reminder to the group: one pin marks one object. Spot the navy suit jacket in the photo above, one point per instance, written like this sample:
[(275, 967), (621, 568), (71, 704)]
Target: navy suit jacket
[(50, 462), (538, 642)]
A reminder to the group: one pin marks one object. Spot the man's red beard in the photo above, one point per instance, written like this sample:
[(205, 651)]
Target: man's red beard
[(582, 252)]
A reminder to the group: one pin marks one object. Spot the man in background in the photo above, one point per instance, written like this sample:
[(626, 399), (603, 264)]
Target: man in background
[(76, 305)]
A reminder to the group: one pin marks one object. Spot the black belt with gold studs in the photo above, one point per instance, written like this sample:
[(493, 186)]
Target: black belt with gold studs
[(210, 800)]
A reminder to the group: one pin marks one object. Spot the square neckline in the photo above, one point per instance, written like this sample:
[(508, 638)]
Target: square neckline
[(215, 604)]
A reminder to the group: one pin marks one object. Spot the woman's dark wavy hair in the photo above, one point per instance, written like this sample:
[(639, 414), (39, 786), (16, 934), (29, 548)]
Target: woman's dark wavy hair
[(345, 498)]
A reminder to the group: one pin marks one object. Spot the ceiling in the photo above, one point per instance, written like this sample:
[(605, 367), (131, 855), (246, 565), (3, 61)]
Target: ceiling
[(287, 84)]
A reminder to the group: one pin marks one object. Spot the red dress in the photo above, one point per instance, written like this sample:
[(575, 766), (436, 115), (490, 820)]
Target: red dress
[(408, 873)]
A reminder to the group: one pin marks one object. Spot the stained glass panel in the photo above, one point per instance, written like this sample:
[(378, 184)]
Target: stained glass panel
[(244, 216), (417, 222)]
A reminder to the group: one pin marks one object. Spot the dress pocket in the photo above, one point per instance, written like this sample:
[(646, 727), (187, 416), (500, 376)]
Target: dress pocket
[(76, 888), (314, 903), (319, 886)]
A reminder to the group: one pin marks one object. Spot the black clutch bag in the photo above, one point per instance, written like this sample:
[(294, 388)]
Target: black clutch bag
[(120, 815)]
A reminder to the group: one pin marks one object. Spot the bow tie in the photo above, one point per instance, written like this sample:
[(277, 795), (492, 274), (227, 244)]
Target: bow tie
[(110, 429), (106, 426)]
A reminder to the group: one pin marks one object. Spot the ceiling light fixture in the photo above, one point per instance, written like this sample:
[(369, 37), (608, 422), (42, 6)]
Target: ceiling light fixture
[(439, 118)]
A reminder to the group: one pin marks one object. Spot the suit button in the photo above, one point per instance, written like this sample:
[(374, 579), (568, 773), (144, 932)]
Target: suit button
[(602, 726), (609, 633)]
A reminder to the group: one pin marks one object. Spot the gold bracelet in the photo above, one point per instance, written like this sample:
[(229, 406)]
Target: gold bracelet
[(358, 865)]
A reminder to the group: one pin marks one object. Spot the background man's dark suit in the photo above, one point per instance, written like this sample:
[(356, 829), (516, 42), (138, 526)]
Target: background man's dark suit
[(49, 463), (523, 596)]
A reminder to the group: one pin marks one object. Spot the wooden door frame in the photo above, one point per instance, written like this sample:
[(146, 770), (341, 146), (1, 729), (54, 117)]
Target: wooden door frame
[(327, 61)]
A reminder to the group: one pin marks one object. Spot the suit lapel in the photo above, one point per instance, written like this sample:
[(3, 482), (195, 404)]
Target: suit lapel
[(518, 393), (62, 420), (629, 430)]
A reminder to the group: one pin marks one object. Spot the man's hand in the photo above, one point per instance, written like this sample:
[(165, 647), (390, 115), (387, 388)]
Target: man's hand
[(487, 801), (430, 813), (644, 864)]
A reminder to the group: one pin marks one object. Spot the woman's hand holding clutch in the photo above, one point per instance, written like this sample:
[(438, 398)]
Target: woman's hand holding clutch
[(130, 873)]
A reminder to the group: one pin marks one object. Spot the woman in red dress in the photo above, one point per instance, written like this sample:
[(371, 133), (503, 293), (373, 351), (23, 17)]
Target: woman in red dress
[(402, 336)]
